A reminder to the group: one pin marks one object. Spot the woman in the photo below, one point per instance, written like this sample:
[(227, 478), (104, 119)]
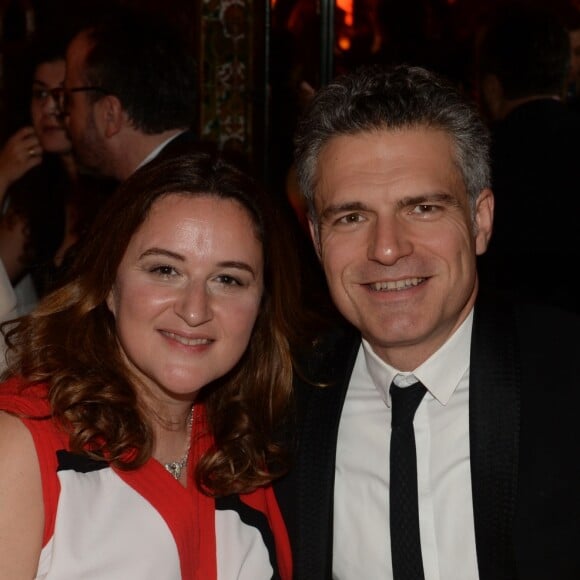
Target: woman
[(145, 393), (46, 202)]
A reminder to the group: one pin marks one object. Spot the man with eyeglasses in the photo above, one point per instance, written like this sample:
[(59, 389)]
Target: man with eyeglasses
[(46, 202), (129, 92)]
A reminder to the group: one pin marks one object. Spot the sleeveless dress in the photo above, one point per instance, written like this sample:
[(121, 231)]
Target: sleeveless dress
[(106, 524)]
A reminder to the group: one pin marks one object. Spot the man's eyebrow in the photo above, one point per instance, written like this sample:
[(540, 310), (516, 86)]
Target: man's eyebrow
[(433, 197), (354, 206)]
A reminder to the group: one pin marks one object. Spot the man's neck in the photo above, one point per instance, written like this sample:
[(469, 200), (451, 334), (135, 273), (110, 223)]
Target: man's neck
[(139, 148)]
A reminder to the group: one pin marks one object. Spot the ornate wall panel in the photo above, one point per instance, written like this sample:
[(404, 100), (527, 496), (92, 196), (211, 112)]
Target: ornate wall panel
[(232, 88)]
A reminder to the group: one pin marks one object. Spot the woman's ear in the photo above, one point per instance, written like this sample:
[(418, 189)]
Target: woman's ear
[(111, 301)]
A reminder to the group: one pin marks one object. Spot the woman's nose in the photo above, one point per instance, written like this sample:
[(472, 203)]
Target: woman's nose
[(193, 304), (50, 103)]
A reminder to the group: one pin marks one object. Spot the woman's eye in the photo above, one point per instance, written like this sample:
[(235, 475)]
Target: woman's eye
[(40, 94), (164, 271), (228, 280)]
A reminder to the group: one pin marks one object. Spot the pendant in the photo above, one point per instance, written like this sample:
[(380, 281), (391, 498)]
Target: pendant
[(174, 468)]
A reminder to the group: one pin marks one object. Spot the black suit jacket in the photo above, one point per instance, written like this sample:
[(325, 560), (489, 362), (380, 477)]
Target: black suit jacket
[(524, 397)]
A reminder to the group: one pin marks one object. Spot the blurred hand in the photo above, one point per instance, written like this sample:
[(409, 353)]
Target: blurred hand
[(20, 153)]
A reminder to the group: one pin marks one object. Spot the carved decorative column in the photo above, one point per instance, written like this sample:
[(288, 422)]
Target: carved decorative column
[(232, 59)]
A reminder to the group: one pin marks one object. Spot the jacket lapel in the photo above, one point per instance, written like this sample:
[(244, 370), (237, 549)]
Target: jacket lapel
[(315, 471), (494, 420)]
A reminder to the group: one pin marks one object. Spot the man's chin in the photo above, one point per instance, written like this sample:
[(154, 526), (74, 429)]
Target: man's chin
[(86, 168)]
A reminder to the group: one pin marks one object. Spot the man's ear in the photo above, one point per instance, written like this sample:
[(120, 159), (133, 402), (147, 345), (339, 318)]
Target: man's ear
[(483, 220), (111, 115)]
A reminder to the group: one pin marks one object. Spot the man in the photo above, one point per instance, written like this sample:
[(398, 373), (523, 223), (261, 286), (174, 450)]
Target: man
[(394, 166), (524, 63), (129, 91)]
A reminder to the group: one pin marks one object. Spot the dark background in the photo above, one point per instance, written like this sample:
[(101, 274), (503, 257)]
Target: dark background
[(285, 42)]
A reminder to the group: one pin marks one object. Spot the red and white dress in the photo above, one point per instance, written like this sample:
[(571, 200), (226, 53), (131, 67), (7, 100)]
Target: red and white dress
[(105, 524)]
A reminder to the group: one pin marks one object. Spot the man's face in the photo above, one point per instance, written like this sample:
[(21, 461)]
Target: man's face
[(396, 238), (89, 144)]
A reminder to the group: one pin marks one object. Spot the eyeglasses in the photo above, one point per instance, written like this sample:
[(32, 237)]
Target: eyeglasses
[(42, 95), (62, 95)]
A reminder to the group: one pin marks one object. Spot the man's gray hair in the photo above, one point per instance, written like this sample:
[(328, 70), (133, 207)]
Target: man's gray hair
[(375, 98)]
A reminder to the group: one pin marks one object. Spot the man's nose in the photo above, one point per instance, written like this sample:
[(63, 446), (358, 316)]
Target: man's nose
[(388, 240)]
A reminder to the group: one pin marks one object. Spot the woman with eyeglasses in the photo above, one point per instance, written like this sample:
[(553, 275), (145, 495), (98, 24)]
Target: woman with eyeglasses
[(46, 203)]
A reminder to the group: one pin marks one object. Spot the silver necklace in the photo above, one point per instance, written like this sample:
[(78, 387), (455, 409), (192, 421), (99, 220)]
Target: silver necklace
[(176, 467)]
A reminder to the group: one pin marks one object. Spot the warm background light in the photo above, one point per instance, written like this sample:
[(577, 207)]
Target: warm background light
[(346, 5)]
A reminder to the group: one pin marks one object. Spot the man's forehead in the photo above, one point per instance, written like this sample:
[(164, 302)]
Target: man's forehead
[(77, 51)]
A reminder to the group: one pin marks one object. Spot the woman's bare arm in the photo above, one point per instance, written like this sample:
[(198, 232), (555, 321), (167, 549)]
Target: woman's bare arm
[(21, 501)]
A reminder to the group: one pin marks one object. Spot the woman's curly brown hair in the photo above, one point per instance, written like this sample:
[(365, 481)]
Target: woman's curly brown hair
[(70, 340)]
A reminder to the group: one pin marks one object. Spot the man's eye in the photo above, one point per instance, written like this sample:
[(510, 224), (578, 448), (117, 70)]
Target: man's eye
[(351, 218), (425, 208)]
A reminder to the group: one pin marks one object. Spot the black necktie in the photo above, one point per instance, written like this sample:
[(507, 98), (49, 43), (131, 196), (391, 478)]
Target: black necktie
[(403, 500)]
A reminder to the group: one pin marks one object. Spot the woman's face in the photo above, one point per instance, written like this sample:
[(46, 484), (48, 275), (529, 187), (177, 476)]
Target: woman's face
[(46, 121), (188, 292)]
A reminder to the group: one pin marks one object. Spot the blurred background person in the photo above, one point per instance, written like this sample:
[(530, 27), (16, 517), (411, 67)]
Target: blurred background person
[(523, 67), (47, 202), (571, 19), (129, 91), (145, 394)]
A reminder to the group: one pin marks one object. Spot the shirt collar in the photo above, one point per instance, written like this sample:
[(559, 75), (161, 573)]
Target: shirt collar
[(440, 373), (158, 149)]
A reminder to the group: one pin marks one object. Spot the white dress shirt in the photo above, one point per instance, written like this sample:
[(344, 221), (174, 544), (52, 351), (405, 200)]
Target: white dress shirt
[(361, 496)]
